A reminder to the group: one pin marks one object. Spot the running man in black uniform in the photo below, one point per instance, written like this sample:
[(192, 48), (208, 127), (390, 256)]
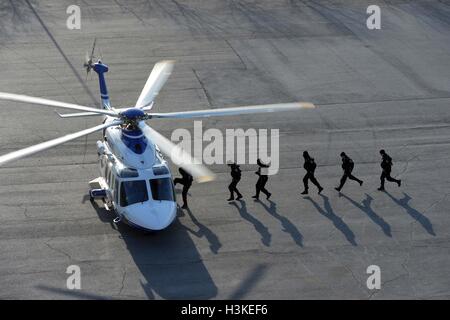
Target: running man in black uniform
[(235, 178), (262, 180), (347, 166), (386, 166), (186, 180), (310, 167)]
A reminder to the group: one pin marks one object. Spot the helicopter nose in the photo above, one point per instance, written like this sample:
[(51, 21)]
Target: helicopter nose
[(154, 215)]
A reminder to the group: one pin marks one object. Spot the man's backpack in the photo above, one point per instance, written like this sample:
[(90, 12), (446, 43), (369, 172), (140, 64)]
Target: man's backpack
[(387, 163), (351, 164), (313, 164)]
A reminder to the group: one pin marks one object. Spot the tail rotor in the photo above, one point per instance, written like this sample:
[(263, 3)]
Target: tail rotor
[(89, 60)]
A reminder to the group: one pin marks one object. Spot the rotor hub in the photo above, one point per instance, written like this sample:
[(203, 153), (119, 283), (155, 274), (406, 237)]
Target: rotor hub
[(133, 115)]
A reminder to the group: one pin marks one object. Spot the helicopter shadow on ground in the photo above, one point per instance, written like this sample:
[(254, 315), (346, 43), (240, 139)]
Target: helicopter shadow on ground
[(328, 212), (258, 225), (104, 215), (366, 207), (72, 293), (249, 282), (168, 260), (288, 226), (414, 213)]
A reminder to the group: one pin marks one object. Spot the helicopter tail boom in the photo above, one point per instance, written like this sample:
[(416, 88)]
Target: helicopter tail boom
[(101, 69)]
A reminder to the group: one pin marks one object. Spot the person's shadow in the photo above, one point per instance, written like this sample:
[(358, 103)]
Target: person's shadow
[(365, 207), (262, 229), (288, 226), (327, 212), (204, 231), (416, 215)]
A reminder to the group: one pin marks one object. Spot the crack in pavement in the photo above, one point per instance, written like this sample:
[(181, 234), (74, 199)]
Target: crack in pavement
[(57, 250), (25, 213), (435, 203), (207, 95), (236, 53), (407, 165), (124, 274)]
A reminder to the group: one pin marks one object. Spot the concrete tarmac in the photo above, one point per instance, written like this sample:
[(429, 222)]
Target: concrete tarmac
[(387, 88)]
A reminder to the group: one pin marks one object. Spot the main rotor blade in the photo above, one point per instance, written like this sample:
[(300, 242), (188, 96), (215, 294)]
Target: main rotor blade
[(52, 103), (52, 143), (158, 77), (178, 155), (78, 114), (90, 114), (235, 111)]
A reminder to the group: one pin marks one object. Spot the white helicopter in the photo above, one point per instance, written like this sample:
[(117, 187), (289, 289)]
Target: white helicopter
[(135, 180)]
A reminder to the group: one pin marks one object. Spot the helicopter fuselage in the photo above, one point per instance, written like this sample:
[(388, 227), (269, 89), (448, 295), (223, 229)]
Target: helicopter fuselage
[(136, 178)]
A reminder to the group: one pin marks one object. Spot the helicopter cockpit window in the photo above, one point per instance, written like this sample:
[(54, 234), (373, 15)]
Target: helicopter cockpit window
[(133, 192), (162, 189)]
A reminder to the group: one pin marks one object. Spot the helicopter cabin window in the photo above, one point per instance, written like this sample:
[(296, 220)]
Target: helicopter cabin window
[(107, 174), (162, 189), (133, 191), (110, 175), (116, 191), (113, 181)]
